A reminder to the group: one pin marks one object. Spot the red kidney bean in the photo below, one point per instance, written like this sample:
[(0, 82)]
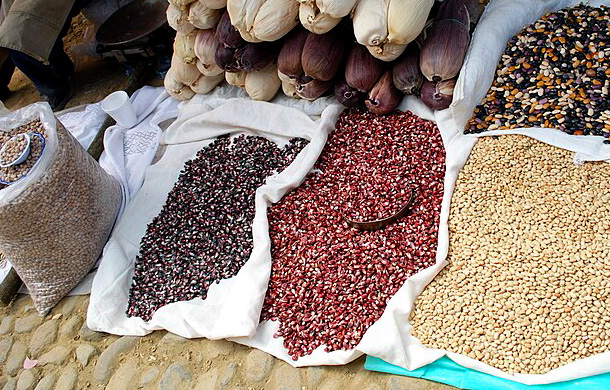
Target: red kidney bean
[(330, 282)]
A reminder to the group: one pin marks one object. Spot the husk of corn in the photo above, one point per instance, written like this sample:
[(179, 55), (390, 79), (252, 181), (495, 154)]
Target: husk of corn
[(243, 13), (203, 17), (184, 47), (215, 4), (289, 59), (205, 84), (175, 88), (348, 96), (384, 97), (370, 19), (263, 84), (256, 56), (313, 20), (405, 72), (205, 50), (225, 59), (336, 8), (444, 49), (275, 19), (362, 70), (387, 52), (406, 19), (290, 90), (227, 34), (236, 78), (310, 89), (438, 96), (183, 72), (182, 4), (178, 20), (324, 54)]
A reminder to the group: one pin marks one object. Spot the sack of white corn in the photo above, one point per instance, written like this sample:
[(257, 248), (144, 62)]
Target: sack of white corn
[(57, 207)]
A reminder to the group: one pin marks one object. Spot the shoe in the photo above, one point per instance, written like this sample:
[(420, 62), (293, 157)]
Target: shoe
[(59, 101)]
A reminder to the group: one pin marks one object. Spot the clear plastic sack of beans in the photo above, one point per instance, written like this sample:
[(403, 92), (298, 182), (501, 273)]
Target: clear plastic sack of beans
[(57, 205)]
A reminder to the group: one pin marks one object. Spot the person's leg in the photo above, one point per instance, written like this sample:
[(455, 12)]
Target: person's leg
[(6, 73), (52, 80)]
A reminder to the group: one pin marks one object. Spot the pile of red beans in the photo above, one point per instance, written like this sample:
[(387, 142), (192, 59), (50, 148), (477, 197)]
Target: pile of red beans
[(330, 282)]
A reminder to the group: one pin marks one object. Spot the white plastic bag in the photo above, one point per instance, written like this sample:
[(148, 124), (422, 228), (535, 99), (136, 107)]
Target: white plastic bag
[(232, 307), (389, 338)]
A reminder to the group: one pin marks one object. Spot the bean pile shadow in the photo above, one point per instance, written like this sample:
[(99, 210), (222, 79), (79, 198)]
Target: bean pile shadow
[(554, 74), (203, 233), (330, 282)]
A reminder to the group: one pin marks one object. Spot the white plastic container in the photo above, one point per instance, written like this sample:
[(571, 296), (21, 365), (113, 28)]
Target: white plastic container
[(118, 106)]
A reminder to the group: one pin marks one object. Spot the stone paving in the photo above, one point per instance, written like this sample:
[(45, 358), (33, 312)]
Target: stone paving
[(71, 356)]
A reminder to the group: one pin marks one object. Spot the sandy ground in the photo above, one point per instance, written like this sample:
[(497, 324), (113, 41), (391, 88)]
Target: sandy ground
[(70, 356)]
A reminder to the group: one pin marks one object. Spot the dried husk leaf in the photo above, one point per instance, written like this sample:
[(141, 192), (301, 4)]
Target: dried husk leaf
[(225, 59), (243, 13), (290, 90), (314, 21), (311, 89), (443, 51), (236, 78), (227, 34), (205, 84), (248, 37), (362, 70), (182, 4), (275, 19), (324, 54), (286, 79), (406, 19), (215, 4), (263, 84), (336, 8), (175, 88), (438, 96), (406, 74), (203, 17), (185, 73), (184, 47), (387, 52), (237, 13), (384, 97), (289, 59), (348, 96), (256, 56), (454, 9), (205, 50), (371, 22), (208, 70), (178, 20)]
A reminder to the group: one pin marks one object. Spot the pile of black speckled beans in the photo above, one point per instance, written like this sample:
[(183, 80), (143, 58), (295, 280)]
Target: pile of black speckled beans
[(329, 281), (554, 74), (203, 234)]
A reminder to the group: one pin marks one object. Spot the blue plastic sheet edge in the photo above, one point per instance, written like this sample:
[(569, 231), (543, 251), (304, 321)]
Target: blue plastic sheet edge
[(446, 371)]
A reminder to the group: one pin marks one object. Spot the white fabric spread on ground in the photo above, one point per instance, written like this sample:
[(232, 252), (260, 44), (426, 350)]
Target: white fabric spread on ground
[(232, 307)]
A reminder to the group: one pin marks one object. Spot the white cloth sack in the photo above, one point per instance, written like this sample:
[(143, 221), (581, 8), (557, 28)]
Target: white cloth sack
[(232, 307), (389, 338)]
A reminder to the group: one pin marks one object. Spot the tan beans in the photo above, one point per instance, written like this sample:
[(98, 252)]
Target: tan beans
[(54, 228), (528, 282)]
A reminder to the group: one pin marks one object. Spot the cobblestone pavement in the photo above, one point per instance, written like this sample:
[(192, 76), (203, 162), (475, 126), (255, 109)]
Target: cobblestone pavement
[(71, 356)]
